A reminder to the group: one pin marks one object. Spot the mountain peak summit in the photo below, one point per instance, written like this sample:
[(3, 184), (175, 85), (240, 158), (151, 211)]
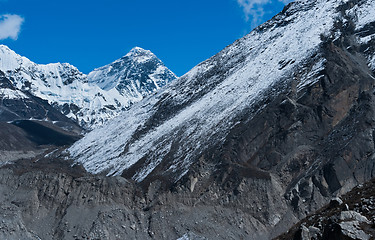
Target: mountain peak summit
[(139, 69), (75, 94), (138, 49), (140, 54)]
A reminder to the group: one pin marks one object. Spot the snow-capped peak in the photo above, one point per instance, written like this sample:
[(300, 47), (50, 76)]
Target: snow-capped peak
[(136, 74), (140, 55), (83, 97), (4, 48), (136, 51)]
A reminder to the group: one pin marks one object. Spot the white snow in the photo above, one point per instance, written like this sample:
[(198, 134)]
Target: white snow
[(140, 55), (311, 77), (62, 83), (364, 13), (188, 236), (7, 93), (111, 75), (366, 39), (124, 75), (256, 68)]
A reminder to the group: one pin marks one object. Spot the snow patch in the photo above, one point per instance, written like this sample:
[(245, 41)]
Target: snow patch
[(364, 13), (7, 93)]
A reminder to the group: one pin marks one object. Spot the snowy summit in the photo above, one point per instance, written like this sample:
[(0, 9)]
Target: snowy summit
[(89, 99)]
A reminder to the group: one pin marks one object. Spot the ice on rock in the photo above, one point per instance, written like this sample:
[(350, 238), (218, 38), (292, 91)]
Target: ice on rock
[(209, 97), (7, 93)]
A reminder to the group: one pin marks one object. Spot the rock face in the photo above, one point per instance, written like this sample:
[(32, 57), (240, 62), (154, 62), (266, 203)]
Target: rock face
[(54, 201), (301, 109), (80, 97), (352, 219), (28, 124), (231, 108), (17, 104), (285, 125), (242, 147)]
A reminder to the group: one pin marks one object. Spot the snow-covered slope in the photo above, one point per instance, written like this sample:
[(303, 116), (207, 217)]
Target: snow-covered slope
[(364, 15), (197, 110), (171, 130), (135, 75), (70, 91)]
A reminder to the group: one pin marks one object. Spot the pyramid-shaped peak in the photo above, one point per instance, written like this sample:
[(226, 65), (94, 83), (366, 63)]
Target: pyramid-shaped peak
[(138, 51)]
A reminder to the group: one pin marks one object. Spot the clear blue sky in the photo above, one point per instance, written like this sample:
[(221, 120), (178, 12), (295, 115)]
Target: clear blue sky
[(90, 34)]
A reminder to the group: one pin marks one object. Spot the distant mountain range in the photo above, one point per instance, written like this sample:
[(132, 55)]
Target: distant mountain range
[(90, 99)]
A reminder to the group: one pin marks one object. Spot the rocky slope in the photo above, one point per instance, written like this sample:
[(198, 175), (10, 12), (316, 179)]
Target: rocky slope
[(242, 147), (53, 201), (352, 217), (80, 97), (29, 125), (284, 117), (310, 86), (17, 104)]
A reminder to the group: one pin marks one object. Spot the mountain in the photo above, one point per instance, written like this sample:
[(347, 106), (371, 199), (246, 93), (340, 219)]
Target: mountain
[(17, 104), (29, 125), (78, 96), (199, 111), (268, 129), (243, 146), (135, 75)]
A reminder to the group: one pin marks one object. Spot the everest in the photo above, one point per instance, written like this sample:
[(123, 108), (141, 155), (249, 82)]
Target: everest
[(90, 99)]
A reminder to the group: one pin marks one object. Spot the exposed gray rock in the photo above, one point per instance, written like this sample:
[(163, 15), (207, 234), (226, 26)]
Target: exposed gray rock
[(191, 236), (332, 223), (352, 230), (352, 215)]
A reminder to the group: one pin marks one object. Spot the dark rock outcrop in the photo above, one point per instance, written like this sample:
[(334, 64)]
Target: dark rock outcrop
[(29, 125), (353, 219)]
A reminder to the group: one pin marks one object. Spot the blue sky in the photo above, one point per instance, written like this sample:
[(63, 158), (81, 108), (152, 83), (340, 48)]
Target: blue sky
[(90, 34)]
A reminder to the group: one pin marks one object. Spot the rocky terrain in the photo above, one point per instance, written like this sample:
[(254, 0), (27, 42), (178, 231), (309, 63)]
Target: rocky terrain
[(352, 217), (241, 147)]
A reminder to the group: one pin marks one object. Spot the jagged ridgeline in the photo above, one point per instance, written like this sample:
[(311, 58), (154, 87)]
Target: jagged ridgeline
[(243, 146), (91, 99)]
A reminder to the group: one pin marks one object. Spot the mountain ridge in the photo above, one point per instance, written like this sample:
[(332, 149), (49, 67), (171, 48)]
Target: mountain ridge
[(71, 91), (115, 75), (243, 146), (282, 118), (189, 98)]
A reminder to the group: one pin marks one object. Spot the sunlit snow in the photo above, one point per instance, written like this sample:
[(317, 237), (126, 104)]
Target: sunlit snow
[(62, 83), (257, 60)]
